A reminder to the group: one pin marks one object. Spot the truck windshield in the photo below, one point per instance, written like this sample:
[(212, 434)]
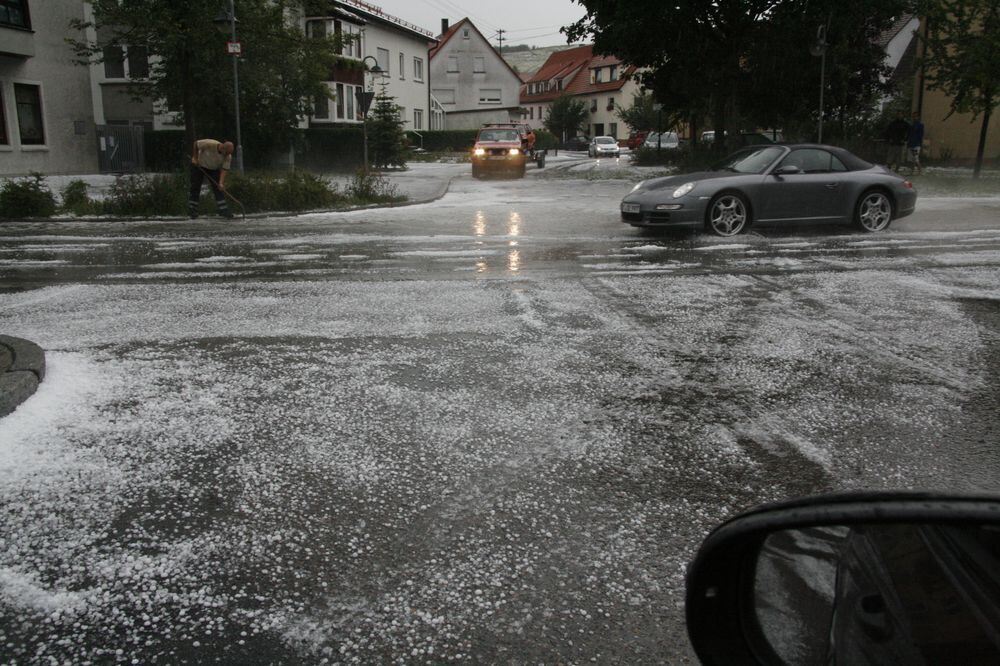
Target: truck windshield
[(498, 135)]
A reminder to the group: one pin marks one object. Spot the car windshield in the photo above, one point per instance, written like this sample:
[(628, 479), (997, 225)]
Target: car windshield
[(605, 139), (498, 135), (749, 161), (666, 137)]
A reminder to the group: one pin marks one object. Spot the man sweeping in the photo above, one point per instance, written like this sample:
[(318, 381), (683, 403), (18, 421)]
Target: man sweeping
[(213, 159)]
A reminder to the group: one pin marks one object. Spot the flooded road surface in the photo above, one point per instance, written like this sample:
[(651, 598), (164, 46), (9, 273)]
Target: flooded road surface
[(489, 429)]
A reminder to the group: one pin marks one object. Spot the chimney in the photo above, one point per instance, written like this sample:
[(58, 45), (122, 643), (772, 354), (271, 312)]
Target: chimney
[(444, 26)]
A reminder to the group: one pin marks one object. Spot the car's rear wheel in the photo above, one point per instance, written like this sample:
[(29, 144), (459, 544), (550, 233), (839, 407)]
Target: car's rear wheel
[(728, 214), (873, 211)]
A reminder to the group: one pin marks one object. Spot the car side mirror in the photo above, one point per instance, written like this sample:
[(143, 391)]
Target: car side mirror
[(857, 578), (788, 170)]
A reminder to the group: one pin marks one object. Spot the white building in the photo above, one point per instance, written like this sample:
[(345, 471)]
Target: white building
[(46, 108), (401, 50), (470, 80)]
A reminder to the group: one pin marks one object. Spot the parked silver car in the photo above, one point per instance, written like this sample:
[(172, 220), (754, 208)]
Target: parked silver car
[(604, 146), (667, 140), (774, 184)]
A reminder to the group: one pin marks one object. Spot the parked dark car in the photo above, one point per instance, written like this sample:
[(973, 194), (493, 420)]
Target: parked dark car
[(774, 184), (577, 143)]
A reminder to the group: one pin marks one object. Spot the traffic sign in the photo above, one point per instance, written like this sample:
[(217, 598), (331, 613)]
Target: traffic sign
[(364, 99), (234, 48)]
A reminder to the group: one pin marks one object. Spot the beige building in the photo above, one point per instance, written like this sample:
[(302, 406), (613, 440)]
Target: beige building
[(955, 136)]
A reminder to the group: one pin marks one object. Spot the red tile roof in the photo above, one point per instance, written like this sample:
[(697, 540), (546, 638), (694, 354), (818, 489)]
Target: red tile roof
[(573, 66)]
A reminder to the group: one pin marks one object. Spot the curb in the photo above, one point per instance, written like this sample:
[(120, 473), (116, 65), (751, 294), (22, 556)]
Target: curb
[(22, 368), (443, 190)]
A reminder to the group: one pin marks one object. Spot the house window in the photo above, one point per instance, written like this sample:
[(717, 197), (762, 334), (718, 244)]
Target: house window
[(316, 29), (349, 93), (418, 119), (452, 63), (401, 113), (340, 100), (611, 104), (596, 75), (138, 62), (539, 113), (418, 69), (402, 59), (321, 108), (4, 140), (465, 33), (14, 13), (531, 113), (114, 62), (383, 61), (613, 73), (479, 65), (613, 130), (28, 100), (445, 95), (593, 105), (489, 96), (350, 36)]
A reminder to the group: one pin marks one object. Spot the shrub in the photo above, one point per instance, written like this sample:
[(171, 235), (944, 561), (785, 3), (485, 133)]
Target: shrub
[(141, 195), (336, 148), (75, 199), (26, 197), (372, 187), (290, 191), (545, 140)]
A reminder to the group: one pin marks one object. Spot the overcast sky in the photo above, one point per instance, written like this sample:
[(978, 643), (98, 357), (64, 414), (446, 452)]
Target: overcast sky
[(535, 22)]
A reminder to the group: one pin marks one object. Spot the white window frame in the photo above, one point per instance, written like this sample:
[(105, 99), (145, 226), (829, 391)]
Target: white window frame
[(418, 119), (418, 69), (452, 60), (479, 65)]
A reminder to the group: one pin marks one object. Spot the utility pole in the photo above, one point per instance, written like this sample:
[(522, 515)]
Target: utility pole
[(500, 32)]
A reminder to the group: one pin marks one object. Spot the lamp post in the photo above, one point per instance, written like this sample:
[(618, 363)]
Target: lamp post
[(223, 21), (819, 49), (364, 99)]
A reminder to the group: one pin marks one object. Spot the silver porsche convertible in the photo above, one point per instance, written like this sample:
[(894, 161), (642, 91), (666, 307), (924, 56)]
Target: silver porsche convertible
[(771, 185)]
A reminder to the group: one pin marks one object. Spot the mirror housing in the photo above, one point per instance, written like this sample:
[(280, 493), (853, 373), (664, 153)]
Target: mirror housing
[(789, 170), (727, 596)]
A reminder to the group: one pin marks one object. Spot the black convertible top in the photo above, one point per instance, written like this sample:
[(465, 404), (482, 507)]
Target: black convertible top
[(850, 160)]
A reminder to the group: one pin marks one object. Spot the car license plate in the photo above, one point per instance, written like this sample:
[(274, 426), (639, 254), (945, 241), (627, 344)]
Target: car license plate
[(497, 157), (630, 208)]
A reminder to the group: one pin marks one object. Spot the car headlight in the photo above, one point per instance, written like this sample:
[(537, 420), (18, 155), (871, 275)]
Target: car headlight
[(638, 186), (683, 189), (479, 152), (515, 151)]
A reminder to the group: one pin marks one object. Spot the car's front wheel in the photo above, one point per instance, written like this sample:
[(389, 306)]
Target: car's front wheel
[(728, 214), (874, 211)]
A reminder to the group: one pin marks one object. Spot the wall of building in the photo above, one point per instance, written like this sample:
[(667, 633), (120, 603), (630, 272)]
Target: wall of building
[(476, 119), (66, 100), (410, 92), (958, 136), (605, 121), (460, 88)]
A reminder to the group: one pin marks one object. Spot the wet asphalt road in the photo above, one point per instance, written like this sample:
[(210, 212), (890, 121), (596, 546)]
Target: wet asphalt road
[(489, 429)]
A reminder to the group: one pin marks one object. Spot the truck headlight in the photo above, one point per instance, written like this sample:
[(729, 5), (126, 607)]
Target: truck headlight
[(515, 151), (479, 152)]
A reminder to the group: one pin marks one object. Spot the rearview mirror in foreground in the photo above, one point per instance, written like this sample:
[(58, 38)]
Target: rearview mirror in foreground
[(851, 579)]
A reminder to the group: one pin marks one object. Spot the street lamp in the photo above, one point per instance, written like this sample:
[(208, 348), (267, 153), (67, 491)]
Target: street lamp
[(819, 49), (364, 99), (223, 21)]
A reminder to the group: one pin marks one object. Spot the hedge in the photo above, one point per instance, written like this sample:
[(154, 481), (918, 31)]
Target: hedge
[(337, 148)]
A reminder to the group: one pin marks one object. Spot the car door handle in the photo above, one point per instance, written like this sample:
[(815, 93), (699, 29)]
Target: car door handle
[(832, 186)]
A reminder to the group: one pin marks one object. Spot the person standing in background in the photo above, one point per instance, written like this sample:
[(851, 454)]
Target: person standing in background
[(915, 141), (895, 136)]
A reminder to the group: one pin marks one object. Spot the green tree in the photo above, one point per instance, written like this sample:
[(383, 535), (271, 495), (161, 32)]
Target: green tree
[(189, 71), (567, 116), (742, 62), (642, 115), (962, 58), (386, 138)]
